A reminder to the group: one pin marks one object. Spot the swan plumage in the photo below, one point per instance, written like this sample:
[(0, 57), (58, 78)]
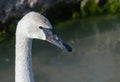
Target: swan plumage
[(32, 26)]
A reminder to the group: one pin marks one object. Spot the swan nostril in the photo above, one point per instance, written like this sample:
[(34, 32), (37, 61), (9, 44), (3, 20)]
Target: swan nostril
[(57, 38)]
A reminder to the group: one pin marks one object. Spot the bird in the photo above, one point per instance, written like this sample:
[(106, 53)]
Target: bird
[(33, 25)]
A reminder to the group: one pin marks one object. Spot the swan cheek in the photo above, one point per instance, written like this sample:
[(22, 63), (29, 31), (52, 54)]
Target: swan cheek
[(37, 35), (40, 35)]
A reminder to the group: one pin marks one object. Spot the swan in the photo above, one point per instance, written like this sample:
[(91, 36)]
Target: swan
[(32, 26)]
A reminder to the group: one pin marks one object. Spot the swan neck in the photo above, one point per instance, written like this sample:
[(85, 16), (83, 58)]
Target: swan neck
[(23, 60)]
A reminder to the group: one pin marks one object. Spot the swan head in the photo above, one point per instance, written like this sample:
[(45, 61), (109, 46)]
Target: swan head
[(35, 26)]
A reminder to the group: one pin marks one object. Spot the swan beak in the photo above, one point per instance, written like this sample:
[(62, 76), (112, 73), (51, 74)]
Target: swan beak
[(59, 43), (52, 37)]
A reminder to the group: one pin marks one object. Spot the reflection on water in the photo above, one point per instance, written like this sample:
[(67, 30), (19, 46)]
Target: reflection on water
[(95, 56)]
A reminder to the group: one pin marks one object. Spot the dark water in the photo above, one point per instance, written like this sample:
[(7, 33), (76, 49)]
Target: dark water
[(95, 56)]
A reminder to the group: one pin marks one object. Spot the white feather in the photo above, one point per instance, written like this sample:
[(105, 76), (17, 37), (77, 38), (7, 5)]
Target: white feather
[(27, 29)]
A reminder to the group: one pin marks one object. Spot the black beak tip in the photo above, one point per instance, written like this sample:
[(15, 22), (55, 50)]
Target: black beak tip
[(68, 48)]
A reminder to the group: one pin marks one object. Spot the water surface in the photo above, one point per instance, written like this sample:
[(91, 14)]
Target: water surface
[(95, 56)]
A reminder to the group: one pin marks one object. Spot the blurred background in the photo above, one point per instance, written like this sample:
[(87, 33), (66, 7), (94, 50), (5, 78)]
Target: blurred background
[(91, 27)]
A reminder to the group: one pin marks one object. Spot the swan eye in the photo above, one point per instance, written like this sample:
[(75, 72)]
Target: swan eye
[(40, 27)]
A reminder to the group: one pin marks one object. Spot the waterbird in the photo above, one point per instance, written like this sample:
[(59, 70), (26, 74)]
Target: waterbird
[(32, 26)]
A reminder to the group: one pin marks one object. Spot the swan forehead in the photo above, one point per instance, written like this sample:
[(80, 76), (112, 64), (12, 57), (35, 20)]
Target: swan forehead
[(39, 20)]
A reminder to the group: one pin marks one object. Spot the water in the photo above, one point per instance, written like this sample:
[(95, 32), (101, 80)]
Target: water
[(95, 56)]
